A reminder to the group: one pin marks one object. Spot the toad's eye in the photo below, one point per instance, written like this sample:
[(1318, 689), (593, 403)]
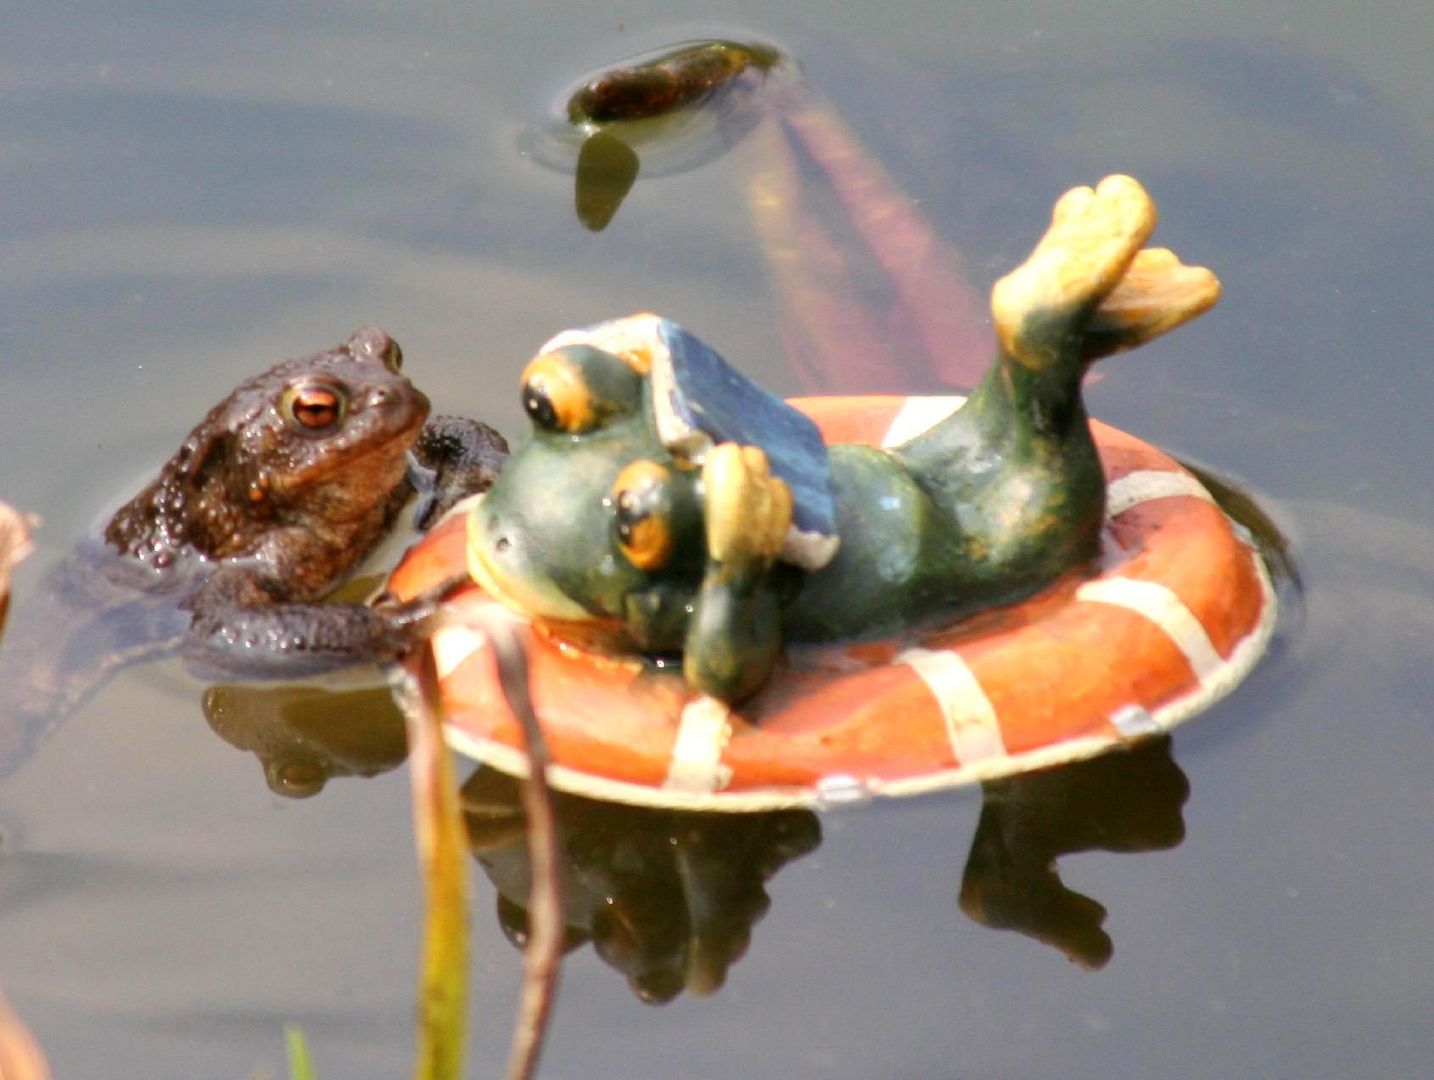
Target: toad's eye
[(313, 408), (577, 388), (641, 498)]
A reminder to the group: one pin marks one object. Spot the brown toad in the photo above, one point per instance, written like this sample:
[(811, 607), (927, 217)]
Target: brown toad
[(275, 496)]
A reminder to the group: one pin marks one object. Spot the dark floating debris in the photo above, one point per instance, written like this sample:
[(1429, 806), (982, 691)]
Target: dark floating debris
[(674, 109), (657, 84)]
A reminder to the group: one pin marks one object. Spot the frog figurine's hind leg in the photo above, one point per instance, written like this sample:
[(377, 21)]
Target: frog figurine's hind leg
[(1016, 467)]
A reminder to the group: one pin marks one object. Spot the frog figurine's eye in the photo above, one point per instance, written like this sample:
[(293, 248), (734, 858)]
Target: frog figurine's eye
[(642, 499), (577, 388), (313, 407)]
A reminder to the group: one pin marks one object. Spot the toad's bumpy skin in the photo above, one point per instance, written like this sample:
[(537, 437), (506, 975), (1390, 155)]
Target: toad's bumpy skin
[(274, 497), (286, 485)]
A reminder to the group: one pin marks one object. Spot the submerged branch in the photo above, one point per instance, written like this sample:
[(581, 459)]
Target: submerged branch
[(543, 953), (442, 845)]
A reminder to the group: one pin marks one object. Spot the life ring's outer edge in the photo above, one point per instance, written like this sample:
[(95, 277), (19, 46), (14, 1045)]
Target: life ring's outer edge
[(697, 775), (855, 789)]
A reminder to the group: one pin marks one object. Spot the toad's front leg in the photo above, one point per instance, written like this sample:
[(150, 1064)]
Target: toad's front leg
[(453, 458), (245, 624), (735, 635)]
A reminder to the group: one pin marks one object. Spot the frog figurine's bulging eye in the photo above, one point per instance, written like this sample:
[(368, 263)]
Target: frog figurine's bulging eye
[(642, 502), (577, 388), (314, 408)]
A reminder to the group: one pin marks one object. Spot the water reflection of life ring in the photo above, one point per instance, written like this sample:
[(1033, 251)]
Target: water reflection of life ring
[(1176, 612)]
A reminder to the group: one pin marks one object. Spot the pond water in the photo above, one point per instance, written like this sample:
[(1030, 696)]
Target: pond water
[(193, 191)]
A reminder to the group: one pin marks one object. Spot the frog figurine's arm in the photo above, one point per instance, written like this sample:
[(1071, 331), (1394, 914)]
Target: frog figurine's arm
[(734, 636)]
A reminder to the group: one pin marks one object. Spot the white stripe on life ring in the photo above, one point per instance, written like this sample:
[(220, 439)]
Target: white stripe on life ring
[(702, 734), (452, 645), (916, 415), (1134, 488), (1163, 608), (971, 721)]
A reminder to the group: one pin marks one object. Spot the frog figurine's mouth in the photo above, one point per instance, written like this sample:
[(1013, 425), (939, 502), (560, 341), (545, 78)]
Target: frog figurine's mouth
[(499, 563)]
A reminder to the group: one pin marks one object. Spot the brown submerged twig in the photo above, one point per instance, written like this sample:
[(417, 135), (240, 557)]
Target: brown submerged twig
[(543, 952)]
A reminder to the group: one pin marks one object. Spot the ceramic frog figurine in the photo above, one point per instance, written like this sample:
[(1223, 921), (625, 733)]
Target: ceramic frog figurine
[(664, 507)]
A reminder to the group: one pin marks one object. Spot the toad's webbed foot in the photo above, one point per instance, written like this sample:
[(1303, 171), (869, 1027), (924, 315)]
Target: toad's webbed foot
[(453, 458)]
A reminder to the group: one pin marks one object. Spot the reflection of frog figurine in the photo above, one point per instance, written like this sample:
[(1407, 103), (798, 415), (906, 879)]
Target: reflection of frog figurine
[(14, 546), (271, 501), (663, 528), (1127, 801), (668, 899)]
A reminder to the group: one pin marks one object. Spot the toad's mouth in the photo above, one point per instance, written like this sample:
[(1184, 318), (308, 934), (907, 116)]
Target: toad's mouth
[(498, 563)]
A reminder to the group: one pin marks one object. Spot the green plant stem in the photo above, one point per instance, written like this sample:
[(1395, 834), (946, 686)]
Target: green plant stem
[(442, 855), (301, 1065)]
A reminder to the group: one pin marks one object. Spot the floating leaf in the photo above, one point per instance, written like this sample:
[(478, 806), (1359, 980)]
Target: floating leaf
[(20, 1056), (14, 546)]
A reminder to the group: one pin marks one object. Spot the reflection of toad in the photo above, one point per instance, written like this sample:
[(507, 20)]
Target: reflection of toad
[(273, 498), (679, 509), (669, 899), (304, 736)]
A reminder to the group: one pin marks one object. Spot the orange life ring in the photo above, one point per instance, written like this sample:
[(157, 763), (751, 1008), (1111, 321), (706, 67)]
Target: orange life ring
[(1175, 614)]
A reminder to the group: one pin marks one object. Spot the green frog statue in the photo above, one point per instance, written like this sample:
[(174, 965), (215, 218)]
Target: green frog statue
[(683, 511)]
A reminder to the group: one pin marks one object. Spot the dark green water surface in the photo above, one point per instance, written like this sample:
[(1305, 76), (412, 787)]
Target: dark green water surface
[(190, 192)]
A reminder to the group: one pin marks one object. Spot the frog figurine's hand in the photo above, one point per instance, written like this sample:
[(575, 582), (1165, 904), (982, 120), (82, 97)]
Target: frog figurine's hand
[(747, 510), (735, 633)]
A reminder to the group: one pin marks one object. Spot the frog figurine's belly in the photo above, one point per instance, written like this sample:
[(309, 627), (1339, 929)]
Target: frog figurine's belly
[(897, 556)]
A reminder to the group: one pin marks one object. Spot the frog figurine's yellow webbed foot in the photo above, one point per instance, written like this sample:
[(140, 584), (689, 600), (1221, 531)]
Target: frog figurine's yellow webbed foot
[(1157, 294), (747, 510), (1089, 274)]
